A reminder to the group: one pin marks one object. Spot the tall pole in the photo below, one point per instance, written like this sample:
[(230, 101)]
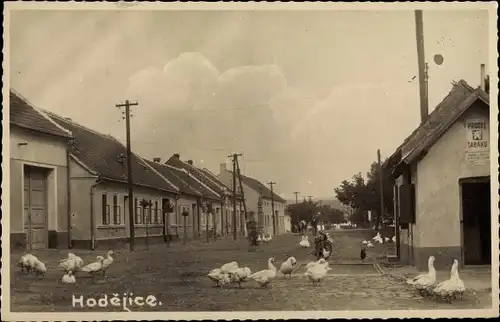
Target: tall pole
[(235, 157), (131, 208), (242, 193), (381, 187), (422, 66), (272, 206), (296, 193)]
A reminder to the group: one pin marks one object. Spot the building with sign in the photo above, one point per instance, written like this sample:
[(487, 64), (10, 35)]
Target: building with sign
[(442, 189)]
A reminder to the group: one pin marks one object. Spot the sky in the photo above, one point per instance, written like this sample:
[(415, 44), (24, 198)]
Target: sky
[(306, 97)]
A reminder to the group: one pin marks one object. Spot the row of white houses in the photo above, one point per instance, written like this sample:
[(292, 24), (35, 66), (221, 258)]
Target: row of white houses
[(70, 185)]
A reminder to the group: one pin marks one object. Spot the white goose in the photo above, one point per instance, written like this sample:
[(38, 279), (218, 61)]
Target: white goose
[(218, 277), (68, 278), (288, 266), (259, 239), (239, 275), (94, 267), (423, 282), (106, 263), (265, 276), (317, 272), (72, 263), (27, 262), (453, 287), (304, 243)]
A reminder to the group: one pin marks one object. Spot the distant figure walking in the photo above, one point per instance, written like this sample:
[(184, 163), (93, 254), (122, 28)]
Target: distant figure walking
[(314, 224), (302, 227)]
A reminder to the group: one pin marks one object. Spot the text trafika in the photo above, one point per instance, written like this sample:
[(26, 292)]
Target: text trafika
[(126, 301)]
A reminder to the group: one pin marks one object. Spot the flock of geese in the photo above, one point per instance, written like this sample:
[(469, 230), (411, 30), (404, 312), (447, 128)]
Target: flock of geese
[(70, 265), (232, 273), (449, 289)]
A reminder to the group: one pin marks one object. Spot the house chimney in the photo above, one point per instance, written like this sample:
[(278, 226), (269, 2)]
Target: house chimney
[(156, 160), (222, 168), (177, 156), (190, 162), (483, 77)]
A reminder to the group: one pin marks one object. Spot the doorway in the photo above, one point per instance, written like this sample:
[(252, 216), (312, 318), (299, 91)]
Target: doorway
[(35, 207), (476, 221)]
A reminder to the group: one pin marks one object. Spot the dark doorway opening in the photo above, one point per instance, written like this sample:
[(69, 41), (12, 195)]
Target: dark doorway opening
[(476, 225)]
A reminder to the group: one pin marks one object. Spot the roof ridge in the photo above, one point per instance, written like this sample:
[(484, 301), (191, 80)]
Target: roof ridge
[(158, 173), (202, 183), (179, 178), (41, 112), (215, 176), (210, 179), (197, 170)]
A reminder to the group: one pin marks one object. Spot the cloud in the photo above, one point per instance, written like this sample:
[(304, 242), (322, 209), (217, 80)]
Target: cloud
[(202, 112), (285, 134)]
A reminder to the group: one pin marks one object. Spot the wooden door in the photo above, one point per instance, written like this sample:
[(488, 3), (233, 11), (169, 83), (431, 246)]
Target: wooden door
[(35, 207)]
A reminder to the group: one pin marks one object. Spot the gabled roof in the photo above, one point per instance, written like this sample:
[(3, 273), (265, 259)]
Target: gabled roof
[(218, 181), (446, 113), (260, 188), (182, 179), (102, 153), (175, 162), (25, 115)]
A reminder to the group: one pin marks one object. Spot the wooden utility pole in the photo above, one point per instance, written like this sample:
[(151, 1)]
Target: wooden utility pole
[(235, 158), (131, 208), (422, 66), (242, 192), (296, 193), (381, 187), (271, 184)]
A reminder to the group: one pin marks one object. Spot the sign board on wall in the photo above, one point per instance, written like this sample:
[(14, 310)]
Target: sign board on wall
[(478, 137)]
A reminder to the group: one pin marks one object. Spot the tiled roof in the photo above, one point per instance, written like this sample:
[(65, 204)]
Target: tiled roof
[(101, 154), (460, 98), (24, 115), (217, 180), (260, 188), (177, 163), (183, 180)]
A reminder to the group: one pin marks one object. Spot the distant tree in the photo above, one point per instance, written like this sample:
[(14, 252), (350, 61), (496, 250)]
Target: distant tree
[(330, 215), (363, 195), (307, 209), (302, 211)]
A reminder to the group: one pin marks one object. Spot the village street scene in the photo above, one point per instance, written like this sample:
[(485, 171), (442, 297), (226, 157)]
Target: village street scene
[(222, 161)]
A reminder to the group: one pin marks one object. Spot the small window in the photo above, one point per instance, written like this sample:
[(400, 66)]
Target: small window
[(156, 213), (117, 216), (105, 210)]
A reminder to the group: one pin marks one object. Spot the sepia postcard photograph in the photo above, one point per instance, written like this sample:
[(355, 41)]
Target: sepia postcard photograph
[(225, 161)]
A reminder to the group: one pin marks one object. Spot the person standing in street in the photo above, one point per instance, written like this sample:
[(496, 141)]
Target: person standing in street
[(314, 224)]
